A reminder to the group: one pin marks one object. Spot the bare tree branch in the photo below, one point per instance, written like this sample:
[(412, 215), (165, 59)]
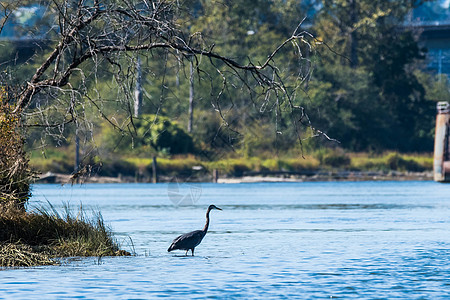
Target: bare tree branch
[(106, 37)]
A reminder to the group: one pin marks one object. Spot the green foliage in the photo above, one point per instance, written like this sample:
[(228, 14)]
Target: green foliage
[(112, 140), (378, 102), (370, 98), (396, 162), (239, 166), (342, 103), (149, 134), (232, 166), (336, 160), (210, 133), (116, 167), (436, 86), (182, 166), (392, 161), (332, 158), (163, 134), (59, 160)]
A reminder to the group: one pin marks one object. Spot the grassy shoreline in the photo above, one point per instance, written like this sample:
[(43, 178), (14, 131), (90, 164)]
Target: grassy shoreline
[(44, 236), (320, 166)]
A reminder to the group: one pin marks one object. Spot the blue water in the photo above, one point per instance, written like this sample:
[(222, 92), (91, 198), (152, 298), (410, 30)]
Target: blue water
[(365, 240)]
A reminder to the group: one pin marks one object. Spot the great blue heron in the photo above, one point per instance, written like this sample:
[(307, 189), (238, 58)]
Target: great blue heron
[(190, 240)]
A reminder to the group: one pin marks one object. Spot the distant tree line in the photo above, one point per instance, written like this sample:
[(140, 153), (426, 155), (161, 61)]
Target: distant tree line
[(83, 74), (345, 71)]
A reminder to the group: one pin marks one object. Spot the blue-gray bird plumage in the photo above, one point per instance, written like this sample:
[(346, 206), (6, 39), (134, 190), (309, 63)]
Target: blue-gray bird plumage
[(190, 240)]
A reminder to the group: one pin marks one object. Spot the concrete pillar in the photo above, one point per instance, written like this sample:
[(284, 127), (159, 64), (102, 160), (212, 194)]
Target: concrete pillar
[(441, 162)]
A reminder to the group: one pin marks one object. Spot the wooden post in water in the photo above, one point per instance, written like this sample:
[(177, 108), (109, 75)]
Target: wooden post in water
[(77, 152), (441, 161), (154, 170), (215, 175)]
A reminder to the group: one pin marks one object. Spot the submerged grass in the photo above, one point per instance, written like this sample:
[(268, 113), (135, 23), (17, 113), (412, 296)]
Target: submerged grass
[(42, 236)]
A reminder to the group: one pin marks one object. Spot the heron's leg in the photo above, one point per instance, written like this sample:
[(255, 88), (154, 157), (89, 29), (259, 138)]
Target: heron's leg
[(192, 251), (186, 252)]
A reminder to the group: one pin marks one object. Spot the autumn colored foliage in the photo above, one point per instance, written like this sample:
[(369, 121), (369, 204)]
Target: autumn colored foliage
[(15, 175)]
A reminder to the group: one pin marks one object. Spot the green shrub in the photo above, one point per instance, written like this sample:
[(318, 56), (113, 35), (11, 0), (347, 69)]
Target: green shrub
[(336, 160), (393, 161), (61, 166), (113, 168), (114, 140), (163, 135), (211, 131), (151, 134), (232, 167), (396, 162), (238, 169), (55, 162), (332, 158), (270, 165), (178, 166), (300, 164)]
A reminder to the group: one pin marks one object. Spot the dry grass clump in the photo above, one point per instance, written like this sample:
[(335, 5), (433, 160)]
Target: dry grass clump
[(44, 235), (20, 255)]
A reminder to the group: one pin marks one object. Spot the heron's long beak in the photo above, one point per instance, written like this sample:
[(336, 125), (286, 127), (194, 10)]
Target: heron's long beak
[(218, 208)]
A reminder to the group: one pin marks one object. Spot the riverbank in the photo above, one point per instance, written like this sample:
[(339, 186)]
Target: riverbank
[(336, 176), (332, 166), (251, 177)]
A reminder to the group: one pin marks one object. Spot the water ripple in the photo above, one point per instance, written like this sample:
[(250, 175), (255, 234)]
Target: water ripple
[(368, 240)]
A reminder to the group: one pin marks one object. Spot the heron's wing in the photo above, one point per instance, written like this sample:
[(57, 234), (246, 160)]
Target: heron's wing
[(177, 238), (187, 241)]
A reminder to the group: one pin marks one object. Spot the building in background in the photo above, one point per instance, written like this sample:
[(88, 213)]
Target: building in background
[(432, 21)]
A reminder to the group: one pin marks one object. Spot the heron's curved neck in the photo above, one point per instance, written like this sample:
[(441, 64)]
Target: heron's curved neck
[(205, 229)]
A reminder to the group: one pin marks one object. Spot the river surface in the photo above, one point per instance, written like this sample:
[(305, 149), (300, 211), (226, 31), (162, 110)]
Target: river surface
[(364, 240)]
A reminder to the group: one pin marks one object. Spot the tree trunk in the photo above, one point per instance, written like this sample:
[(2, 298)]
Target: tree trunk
[(191, 95), (353, 36)]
